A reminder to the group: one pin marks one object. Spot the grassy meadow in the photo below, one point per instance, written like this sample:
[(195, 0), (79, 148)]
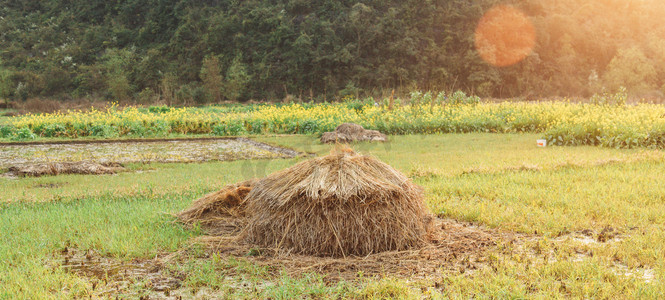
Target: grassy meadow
[(500, 181)]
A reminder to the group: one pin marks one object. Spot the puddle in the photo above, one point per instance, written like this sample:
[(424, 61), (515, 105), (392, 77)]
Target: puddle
[(182, 150)]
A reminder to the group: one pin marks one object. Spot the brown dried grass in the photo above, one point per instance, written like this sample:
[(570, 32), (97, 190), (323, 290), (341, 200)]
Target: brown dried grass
[(52, 169), (357, 212), (219, 212), (36, 105), (338, 205), (453, 247)]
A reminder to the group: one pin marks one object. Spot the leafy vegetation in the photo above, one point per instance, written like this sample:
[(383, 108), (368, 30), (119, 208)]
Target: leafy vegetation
[(607, 122), (26, 134), (182, 51)]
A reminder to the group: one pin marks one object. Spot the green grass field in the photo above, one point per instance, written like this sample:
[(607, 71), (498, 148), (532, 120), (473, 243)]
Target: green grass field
[(501, 181)]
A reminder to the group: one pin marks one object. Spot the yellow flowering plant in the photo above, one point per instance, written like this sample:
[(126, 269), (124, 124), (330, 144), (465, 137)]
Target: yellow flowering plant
[(561, 122)]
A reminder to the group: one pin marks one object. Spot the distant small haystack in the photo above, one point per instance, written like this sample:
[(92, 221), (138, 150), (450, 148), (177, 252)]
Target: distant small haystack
[(350, 132), (338, 205)]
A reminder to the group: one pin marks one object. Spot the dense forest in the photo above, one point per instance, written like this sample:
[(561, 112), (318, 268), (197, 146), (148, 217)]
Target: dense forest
[(203, 51)]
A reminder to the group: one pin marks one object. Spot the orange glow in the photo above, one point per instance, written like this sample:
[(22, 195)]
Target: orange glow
[(504, 36)]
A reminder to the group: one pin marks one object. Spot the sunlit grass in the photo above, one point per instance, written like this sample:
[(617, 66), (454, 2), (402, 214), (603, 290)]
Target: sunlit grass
[(416, 155), (554, 201), (500, 181), (33, 234)]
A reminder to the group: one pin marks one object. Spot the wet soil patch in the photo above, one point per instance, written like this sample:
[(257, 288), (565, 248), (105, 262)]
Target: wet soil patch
[(34, 159), (110, 276), (608, 233), (284, 151)]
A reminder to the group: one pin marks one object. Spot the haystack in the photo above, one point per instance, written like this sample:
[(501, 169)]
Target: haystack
[(350, 132), (338, 205)]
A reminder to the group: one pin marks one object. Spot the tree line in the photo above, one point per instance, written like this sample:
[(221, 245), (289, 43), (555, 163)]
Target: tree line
[(188, 52)]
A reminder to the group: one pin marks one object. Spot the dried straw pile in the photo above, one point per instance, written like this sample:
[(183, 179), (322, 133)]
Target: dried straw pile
[(52, 169), (215, 207), (338, 205), (350, 132)]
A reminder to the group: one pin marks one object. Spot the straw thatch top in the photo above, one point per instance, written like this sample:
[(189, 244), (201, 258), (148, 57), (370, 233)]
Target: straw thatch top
[(341, 176)]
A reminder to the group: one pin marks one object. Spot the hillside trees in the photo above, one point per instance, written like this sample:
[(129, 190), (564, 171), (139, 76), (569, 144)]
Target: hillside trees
[(236, 79), (211, 75), (117, 66), (632, 69), (6, 86), (271, 49)]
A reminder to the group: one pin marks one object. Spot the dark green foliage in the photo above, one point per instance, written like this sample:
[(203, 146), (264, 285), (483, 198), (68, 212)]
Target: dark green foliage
[(192, 93), (357, 105), (103, 131), (6, 131), (310, 126), (259, 49), (52, 130), (229, 129), (460, 97), (159, 109)]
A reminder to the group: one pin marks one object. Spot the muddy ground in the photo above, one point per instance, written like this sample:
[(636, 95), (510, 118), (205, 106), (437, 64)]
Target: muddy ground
[(457, 247), (454, 247), (144, 151)]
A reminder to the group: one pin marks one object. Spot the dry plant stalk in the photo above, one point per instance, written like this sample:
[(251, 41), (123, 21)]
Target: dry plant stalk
[(338, 205), (57, 168), (211, 208)]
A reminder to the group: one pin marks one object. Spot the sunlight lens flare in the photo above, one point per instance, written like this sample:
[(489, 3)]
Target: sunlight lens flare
[(504, 36)]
